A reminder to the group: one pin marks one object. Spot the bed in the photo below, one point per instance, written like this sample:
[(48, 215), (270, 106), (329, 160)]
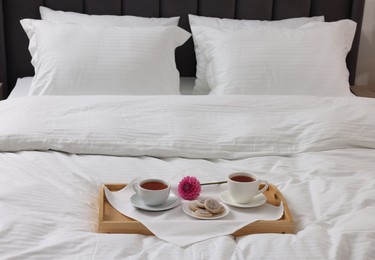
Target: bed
[(304, 132)]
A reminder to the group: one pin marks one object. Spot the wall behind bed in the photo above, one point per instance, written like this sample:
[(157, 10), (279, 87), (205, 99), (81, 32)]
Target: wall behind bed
[(15, 58), (366, 57)]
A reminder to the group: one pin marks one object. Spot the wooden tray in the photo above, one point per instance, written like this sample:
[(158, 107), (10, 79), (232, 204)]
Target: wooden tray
[(112, 221)]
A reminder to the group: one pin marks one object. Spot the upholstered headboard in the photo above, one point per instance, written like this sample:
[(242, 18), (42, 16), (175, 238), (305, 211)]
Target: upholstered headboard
[(15, 58)]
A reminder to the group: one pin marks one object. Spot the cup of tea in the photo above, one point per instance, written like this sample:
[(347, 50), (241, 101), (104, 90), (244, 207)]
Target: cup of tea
[(244, 186), (153, 192)]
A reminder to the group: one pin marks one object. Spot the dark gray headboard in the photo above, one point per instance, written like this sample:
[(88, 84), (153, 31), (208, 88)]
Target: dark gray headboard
[(15, 58)]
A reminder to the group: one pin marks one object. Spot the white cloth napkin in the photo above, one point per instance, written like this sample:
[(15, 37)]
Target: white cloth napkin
[(176, 227)]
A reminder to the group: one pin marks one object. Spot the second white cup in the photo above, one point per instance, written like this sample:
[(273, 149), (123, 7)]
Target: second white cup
[(244, 186)]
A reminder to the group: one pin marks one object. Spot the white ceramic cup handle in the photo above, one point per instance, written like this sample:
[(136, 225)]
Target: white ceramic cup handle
[(264, 188), (135, 187)]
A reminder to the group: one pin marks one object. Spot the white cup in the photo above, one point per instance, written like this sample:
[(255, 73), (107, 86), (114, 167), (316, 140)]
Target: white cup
[(153, 192), (244, 186)]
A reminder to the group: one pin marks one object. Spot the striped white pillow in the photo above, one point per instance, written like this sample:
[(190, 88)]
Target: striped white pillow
[(309, 60), (201, 85), (73, 59)]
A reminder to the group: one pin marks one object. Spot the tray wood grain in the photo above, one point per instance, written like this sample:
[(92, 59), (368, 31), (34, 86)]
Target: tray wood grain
[(112, 221)]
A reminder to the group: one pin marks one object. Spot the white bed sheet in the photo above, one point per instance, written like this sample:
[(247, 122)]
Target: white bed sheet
[(22, 86), (48, 199), (50, 212)]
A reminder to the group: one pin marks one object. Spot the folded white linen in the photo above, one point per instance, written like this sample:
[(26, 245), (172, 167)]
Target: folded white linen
[(176, 227), (225, 127)]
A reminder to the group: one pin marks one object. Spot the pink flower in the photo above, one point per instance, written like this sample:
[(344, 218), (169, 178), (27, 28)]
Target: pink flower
[(189, 188)]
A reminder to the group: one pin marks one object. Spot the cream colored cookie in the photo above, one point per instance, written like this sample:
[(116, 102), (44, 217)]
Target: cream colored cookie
[(200, 202), (202, 213), (221, 210), (213, 206), (193, 206)]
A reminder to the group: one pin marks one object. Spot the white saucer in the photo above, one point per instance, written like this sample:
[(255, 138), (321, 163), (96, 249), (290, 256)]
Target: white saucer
[(171, 202), (258, 200), (189, 212)]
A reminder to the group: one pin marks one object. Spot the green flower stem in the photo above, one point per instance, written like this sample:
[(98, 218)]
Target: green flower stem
[(210, 183)]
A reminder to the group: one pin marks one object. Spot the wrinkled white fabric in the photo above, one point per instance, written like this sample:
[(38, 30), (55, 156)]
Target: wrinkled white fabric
[(228, 127), (49, 199)]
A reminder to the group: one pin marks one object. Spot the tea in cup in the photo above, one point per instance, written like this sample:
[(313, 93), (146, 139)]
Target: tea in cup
[(244, 186), (153, 192)]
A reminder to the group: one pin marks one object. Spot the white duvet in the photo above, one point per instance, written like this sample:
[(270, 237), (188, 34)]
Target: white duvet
[(56, 151)]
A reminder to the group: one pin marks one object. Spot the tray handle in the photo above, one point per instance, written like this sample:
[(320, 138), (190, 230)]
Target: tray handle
[(272, 196)]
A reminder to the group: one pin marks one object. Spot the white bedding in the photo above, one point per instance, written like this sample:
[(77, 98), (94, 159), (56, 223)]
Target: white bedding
[(22, 87), (318, 151)]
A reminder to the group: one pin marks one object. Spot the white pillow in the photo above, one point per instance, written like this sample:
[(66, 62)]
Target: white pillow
[(201, 85), (100, 20), (73, 59), (309, 60), (115, 20)]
